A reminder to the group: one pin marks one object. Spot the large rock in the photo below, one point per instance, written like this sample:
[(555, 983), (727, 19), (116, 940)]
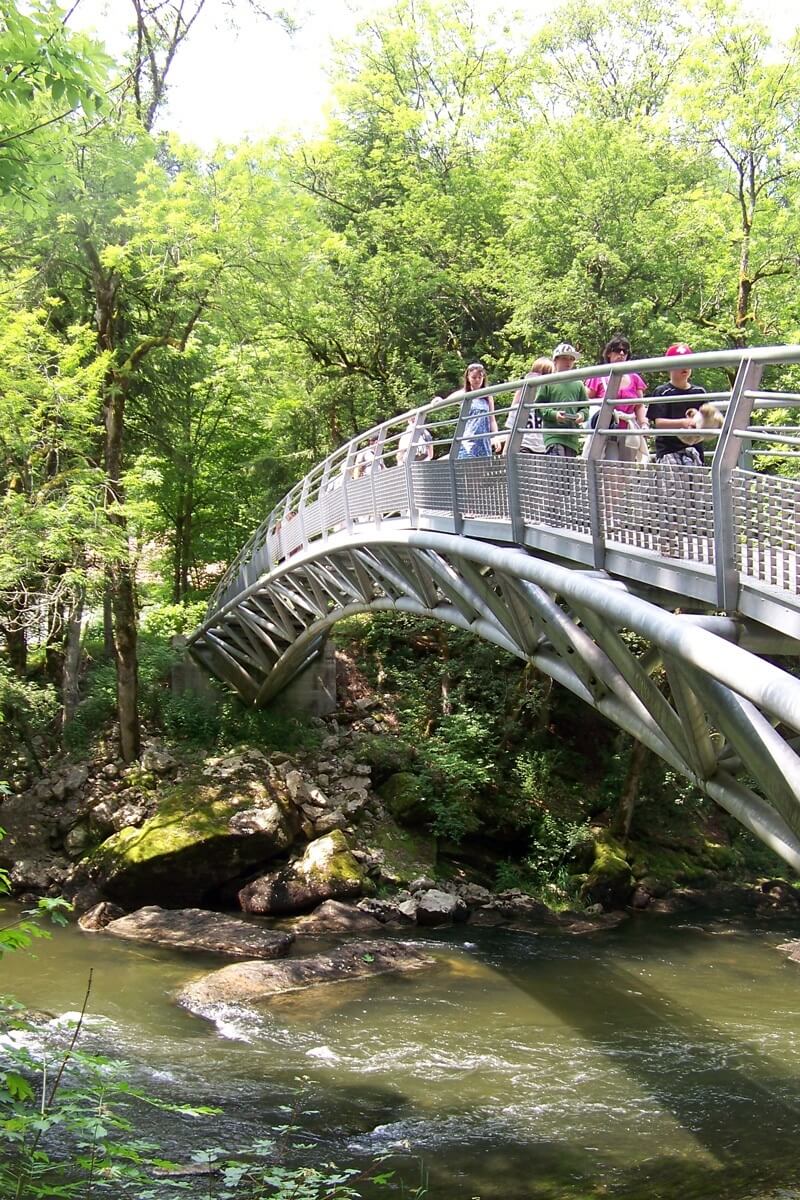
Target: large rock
[(203, 835), (791, 950), (335, 917), (404, 796), (440, 908), (403, 854), (251, 982), (610, 879), (327, 871), (198, 929)]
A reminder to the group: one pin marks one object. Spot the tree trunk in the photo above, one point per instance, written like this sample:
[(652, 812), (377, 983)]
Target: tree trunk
[(17, 646), (108, 619), (125, 639), (72, 663), (630, 788), (447, 707), (123, 597)]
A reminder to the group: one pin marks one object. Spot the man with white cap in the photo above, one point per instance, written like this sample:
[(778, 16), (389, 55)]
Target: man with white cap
[(568, 406)]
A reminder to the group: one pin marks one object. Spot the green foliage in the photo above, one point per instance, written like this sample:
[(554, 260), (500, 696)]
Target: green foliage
[(458, 764), (27, 714), (551, 845), (50, 74), (171, 620)]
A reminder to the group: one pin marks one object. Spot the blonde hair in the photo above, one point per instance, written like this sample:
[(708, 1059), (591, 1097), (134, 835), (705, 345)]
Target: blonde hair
[(542, 366)]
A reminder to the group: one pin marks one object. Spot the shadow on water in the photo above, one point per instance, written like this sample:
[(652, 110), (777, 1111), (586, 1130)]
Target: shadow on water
[(739, 1105)]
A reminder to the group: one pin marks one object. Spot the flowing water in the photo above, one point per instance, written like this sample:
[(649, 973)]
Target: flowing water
[(657, 1060)]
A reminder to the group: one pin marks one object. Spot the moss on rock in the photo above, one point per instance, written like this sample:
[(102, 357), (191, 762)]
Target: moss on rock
[(385, 753), (202, 835), (406, 855), (404, 796), (610, 879), (326, 871)]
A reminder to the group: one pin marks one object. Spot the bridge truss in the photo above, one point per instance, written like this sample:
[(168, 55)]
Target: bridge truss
[(580, 576)]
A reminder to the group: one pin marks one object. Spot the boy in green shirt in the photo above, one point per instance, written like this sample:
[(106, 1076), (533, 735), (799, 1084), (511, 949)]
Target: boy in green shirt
[(566, 445)]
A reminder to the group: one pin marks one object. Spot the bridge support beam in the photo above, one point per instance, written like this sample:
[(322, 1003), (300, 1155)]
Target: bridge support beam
[(312, 692)]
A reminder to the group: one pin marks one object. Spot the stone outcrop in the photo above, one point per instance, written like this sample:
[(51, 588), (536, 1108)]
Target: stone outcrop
[(435, 907), (198, 930), (326, 871), (203, 834), (610, 880), (252, 982), (333, 916)]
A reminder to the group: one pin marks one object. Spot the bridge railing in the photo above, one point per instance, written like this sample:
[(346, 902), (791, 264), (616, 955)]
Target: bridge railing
[(719, 531)]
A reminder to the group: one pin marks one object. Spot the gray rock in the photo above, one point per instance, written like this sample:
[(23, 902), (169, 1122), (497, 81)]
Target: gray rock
[(75, 778), (297, 787), (330, 821), (435, 907), (37, 875), (110, 770), (473, 894), (791, 950), (101, 817), (160, 762), (76, 841), (194, 843), (422, 884), (251, 982), (326, 871), (362, 769), (354, 783), (488, 918), (197, 929), (334, 917), (129, 814), (408, 910), (355, 802), (100, 915)]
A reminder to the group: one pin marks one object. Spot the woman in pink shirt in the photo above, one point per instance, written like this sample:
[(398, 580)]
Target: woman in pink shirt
[(631, 387)]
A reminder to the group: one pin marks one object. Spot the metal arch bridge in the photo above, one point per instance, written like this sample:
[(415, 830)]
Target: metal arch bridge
[(557, 560)]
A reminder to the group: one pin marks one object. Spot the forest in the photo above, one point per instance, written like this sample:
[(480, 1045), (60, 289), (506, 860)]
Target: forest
[(184, 334)]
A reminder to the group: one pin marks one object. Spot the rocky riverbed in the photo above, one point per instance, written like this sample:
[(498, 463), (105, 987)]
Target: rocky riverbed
[(326, 841)]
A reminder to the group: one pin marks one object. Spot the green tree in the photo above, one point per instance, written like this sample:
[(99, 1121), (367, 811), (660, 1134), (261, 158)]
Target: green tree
[(51, 76)]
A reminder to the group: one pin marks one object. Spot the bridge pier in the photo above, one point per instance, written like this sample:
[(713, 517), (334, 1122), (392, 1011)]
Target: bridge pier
[(313, 690)]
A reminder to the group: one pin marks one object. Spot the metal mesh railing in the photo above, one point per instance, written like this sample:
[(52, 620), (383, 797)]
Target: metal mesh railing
[(654, 508), (766, 511)]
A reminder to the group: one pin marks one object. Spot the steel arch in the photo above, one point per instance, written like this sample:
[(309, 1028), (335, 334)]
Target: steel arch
[(723, 711)]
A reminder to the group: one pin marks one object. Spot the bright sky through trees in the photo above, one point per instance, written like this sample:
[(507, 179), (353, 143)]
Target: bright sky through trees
[(257, 79)]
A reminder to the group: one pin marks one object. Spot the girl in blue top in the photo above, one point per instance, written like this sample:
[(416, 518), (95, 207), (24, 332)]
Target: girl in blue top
[(481, 422)]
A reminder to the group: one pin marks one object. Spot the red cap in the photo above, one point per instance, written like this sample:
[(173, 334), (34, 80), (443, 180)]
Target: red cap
[(678, 348)]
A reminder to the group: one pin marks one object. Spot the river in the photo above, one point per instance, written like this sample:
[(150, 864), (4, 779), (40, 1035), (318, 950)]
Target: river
[(658, 1060)]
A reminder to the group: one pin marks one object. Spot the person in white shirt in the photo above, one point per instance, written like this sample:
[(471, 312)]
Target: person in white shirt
[(421, 440), (368, 460)]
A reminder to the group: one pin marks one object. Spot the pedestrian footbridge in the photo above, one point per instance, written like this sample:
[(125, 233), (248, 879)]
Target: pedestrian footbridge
[(667, 597)]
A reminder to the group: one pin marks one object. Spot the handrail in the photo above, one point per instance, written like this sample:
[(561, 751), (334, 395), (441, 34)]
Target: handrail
[(331, 498)]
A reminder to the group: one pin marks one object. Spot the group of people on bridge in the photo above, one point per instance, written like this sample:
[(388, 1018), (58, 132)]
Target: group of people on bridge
[(564, 406)]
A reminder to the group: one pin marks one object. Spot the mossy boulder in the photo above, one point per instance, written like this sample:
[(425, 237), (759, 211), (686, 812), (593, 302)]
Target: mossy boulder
[(385, 753), (404, 796), (326, 871), (404, 854), (610, 880), (202, 836)]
